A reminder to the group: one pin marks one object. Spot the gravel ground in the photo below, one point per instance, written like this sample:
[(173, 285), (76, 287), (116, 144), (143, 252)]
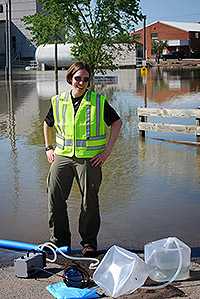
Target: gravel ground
[(35, 288)]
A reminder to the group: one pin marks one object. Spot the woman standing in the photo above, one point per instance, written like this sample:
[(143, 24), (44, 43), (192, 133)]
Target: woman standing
[(79, 118)]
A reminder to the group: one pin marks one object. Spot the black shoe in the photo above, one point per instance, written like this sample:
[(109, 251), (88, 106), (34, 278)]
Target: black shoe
[(89, 251)]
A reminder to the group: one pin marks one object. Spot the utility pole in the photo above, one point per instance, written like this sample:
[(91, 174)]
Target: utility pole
[(144, 68), (6, 43), (9, 41)]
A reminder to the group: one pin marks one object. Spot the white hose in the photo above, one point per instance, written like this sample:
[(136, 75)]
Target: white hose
[(175, 274), (54, 248)]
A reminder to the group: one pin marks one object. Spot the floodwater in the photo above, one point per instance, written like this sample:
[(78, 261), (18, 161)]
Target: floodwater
[(150, 187)]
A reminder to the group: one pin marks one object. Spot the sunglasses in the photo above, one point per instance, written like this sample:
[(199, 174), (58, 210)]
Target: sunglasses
[(84, 79)]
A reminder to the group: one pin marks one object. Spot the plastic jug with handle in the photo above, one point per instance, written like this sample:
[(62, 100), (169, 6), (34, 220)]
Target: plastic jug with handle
[(120, 272), (165, 256)]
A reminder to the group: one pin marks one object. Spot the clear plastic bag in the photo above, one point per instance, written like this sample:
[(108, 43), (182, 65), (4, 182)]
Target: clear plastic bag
[(163, 258), (120, 272)]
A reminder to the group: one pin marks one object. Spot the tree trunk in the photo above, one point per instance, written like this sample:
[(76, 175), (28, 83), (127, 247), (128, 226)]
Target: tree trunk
[(56, 66)]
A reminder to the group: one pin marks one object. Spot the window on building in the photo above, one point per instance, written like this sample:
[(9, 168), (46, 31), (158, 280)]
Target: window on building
[(1, 8), (154, 35), (197, 35)]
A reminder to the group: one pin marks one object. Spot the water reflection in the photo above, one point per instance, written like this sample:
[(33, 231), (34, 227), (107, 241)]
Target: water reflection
[(165, 85), (11, 129), (117, 80), (150, 188)]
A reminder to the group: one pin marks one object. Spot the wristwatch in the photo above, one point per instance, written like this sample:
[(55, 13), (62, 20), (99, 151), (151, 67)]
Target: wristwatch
[(48, 147)]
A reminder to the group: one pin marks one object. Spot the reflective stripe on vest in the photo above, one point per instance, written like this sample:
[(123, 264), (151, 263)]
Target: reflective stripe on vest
[(82, 135), (88, 95)]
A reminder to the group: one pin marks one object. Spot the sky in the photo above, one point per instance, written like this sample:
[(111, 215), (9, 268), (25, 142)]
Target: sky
[(170, 10)]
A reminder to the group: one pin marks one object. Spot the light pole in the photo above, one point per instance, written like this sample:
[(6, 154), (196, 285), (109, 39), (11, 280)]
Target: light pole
[(145, 39), (8, 66)]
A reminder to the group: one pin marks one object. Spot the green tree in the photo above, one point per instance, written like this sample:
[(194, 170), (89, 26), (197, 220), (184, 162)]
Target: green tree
[(47, 28), (157, 48), (94, 27)]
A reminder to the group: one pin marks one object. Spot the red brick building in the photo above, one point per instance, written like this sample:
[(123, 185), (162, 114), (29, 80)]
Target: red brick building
[(180, 36)]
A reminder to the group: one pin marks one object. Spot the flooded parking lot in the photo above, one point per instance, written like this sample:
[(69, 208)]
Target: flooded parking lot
[(150, 188)]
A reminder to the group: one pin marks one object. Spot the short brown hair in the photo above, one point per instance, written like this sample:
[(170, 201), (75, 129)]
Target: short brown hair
[(76, 67)]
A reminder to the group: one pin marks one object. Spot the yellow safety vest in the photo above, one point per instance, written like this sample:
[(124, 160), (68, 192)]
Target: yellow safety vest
[(82, 135)]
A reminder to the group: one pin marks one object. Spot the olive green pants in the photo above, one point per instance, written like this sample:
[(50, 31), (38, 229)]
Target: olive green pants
[(59, 183)]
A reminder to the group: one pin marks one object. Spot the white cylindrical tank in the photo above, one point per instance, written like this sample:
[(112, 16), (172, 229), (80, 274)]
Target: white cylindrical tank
[(46, 55)]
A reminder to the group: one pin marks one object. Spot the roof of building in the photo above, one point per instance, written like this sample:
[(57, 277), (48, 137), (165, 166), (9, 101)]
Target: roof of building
[(183, 25), (186, 26)]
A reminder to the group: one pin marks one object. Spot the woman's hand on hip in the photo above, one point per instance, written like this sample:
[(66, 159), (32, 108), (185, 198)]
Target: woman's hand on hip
[(99, 159)]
